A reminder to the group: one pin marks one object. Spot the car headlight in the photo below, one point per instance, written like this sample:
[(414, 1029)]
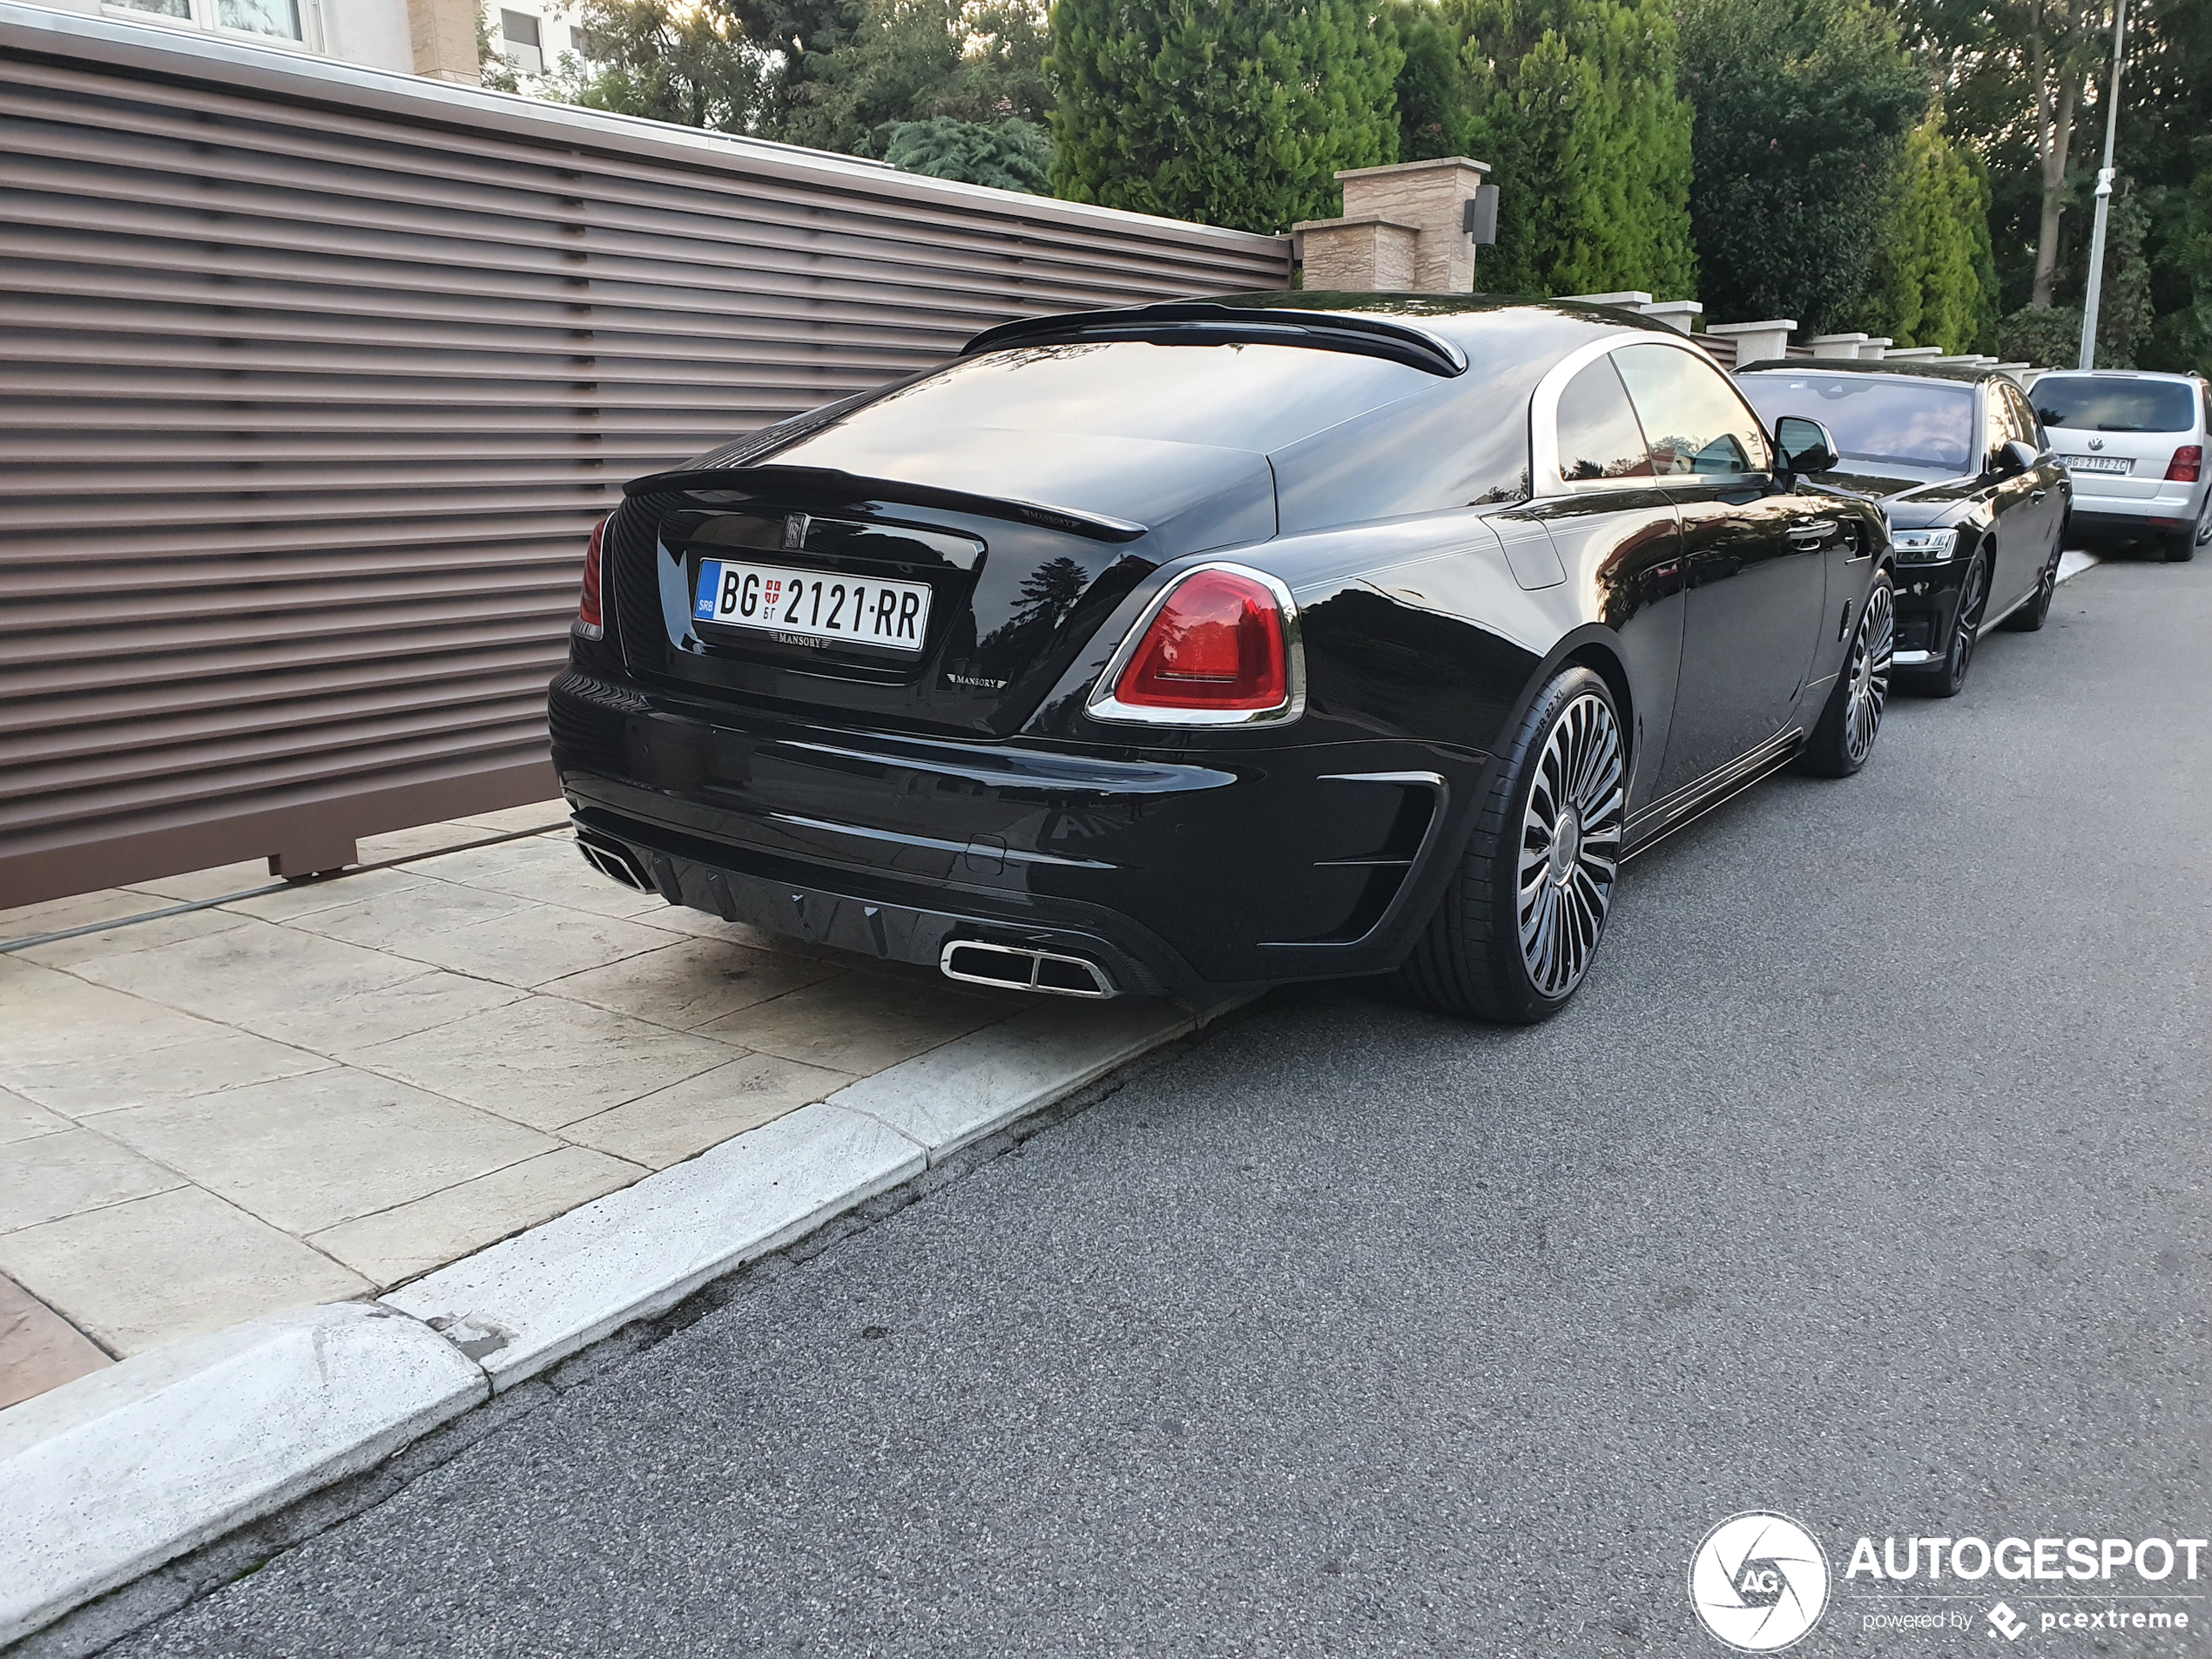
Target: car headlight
[(1924, 547)]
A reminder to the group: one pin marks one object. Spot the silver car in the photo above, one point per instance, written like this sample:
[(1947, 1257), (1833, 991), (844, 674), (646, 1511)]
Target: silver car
[(2134, 444)]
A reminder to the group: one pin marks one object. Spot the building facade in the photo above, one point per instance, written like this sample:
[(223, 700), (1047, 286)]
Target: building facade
[(445, 39)]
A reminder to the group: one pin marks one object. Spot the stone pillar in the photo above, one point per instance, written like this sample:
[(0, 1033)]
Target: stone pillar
[(1364, 255), (1404, 230), (1913, 354), (443, 36), (1874, 347), (1836, 345), (1675, 313), (1757, 342), (1627, 299)]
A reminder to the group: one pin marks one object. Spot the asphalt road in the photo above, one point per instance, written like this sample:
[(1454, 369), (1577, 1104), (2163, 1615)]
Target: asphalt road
[(1867, 1180)]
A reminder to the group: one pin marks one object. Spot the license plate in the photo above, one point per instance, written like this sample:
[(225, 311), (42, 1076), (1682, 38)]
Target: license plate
[(2097, 463), (811, 607)]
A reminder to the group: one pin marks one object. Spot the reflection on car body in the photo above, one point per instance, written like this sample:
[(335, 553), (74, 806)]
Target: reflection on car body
[(1281, 636)]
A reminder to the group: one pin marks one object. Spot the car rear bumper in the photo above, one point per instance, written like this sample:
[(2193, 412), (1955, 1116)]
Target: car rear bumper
[(1171, 870), (2144, 515)]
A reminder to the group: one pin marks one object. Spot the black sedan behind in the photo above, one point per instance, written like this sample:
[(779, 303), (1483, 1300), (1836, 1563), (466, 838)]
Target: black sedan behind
[(1977, 501)]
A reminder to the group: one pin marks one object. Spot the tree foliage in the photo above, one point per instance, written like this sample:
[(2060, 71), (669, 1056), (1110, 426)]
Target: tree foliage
[(2182, 336), (1010, 154), (1236, 112), (833, 74), (2000, 92), (1435, 111), (1934, 280), (1802, 110), (1575, 106), (694, 65), (916, 60)]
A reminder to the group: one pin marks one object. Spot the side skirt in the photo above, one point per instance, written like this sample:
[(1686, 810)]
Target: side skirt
[(1662, 818)]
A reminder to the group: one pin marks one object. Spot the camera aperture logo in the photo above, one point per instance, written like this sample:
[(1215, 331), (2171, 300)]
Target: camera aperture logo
[(1758, 1582)]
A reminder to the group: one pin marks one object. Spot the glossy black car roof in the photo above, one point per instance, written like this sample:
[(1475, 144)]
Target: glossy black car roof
[(1876, 366)]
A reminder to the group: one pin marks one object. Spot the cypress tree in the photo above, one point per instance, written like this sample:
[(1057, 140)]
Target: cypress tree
[(1802, 110), (1934, 273), (1234, 112), (1576, 110), (1434, 117)]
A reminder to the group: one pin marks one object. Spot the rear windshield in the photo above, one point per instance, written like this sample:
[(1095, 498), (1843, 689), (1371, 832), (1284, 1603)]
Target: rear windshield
[(1911, 423), (1235, 396), (2093, 404)]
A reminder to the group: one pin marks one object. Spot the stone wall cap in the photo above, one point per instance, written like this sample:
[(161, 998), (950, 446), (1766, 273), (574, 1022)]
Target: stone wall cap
[(1766, 327), (1353, 222), (1415, 166)]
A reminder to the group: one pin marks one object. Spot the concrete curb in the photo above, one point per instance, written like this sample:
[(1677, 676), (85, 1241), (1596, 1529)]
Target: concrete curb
[(114, 1475), (520, 1306)]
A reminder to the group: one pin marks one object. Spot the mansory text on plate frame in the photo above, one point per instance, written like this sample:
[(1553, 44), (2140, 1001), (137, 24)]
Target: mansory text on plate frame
[(1279, 637)]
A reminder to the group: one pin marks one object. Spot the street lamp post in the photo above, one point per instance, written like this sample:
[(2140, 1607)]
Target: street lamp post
[(2104, 196)]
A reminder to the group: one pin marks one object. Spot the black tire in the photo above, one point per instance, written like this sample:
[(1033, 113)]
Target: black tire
[(1949, 678), (2031, 617), (1476, 958), (1843, 736)]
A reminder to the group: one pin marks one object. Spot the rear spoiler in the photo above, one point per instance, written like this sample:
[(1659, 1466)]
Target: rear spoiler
[(1205, 322), (815, 484)]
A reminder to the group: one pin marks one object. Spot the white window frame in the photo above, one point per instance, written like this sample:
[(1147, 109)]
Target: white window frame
[(506, 48), (202, 20)]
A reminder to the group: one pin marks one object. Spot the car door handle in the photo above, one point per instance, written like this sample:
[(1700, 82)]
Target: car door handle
[(1812, 534), (2039, 495)]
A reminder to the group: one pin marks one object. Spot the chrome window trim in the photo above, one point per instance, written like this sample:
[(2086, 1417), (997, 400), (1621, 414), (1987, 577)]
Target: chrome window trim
[(1545, 478), (1102, 705)]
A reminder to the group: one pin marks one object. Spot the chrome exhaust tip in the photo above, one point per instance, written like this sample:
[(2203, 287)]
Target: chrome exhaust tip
[(1019, 968), (616, 863)]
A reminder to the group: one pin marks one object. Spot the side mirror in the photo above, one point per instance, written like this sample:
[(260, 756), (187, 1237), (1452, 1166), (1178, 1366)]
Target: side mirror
[(1805, 446), (2012, 458)]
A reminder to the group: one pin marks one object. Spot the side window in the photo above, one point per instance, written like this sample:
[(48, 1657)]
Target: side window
[(2023, 418), (1696, 421), (1598, 433)]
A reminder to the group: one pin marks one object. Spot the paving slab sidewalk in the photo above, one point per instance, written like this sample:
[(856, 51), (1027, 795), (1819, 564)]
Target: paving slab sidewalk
[(321, 1092), (531, 1109)]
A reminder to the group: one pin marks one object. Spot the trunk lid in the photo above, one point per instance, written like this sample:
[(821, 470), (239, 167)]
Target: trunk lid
[(1020, 564)]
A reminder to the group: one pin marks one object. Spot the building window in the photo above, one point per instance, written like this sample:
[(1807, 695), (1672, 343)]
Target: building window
[(279, 19), (264, 19), (519, 42)]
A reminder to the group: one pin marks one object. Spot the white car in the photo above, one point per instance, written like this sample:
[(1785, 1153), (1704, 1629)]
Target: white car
[(2134, 445)]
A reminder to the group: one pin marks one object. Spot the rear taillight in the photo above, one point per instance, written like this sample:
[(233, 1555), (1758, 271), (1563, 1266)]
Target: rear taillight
[(590, 624), (1218, 648), (2188, 461)]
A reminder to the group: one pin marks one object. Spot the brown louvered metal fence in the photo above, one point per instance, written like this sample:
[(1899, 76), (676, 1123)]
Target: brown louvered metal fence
[(314, 377)]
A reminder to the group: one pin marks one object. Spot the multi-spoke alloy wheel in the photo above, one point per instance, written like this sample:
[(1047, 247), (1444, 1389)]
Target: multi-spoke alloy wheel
[(1851, 720), (1570, 844), (1516, 926), (1966, 629), (1867, 691)]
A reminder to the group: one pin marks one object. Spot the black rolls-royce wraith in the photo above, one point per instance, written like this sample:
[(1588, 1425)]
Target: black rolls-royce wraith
[(1220, 642)]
